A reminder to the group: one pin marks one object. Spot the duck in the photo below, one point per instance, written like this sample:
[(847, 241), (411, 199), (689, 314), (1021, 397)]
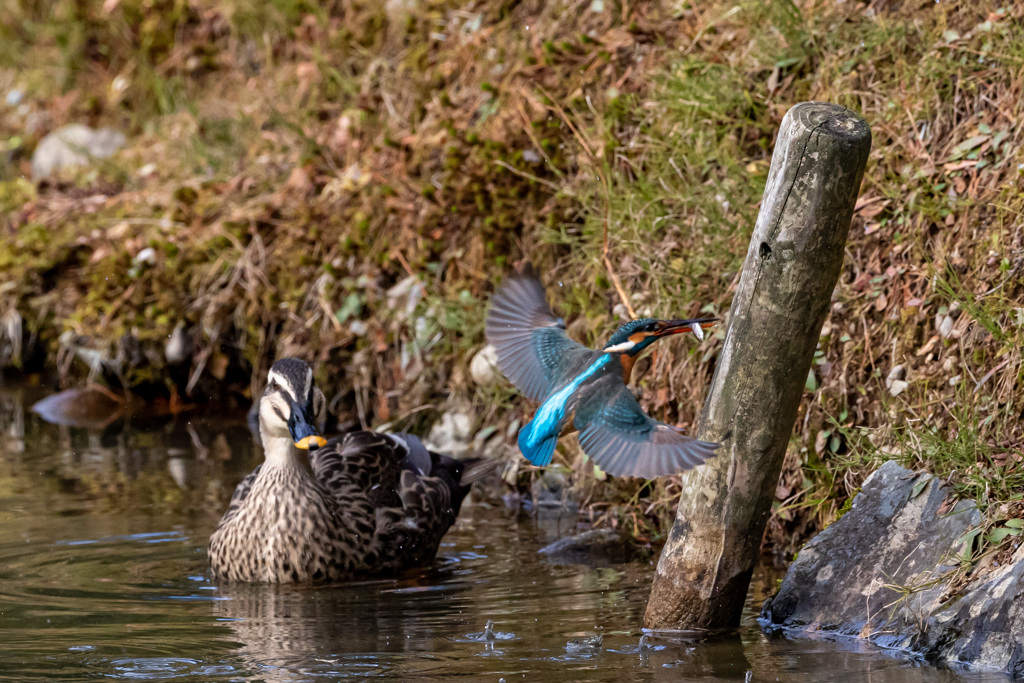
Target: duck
[(586, 390), (360, 505)]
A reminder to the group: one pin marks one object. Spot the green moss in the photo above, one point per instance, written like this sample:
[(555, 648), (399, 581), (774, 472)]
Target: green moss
[(653, 174)]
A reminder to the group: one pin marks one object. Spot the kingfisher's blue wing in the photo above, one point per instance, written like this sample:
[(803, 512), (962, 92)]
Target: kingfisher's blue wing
[(533, 350), (622, 440)]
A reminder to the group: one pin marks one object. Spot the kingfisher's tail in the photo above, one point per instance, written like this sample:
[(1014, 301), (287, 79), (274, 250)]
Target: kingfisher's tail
[(539, 453)]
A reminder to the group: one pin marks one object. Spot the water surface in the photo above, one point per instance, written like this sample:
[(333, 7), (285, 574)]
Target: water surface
[(103, 575)]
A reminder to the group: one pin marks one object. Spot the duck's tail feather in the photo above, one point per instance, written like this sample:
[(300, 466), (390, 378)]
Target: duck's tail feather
[(459, 475), (477, 469), (417, 457)]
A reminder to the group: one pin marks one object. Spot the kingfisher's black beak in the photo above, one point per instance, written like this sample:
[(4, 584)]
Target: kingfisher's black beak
[(695, 325), (300, 424)]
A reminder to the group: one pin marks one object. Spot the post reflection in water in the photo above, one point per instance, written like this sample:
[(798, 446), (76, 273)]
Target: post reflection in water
[(103, 574)]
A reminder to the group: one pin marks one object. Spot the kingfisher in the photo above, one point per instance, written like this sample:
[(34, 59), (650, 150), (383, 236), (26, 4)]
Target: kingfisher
[(584, 390)]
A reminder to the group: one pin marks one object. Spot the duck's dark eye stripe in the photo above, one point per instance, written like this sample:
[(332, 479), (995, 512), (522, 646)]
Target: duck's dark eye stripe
[(277, 411)]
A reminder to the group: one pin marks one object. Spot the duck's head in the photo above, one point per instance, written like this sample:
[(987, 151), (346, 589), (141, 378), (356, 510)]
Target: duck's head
[(292, 406), (637, 335)]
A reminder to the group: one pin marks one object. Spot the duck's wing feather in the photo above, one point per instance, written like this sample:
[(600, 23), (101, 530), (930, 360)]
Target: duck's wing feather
[(412, 494), (624, 441), (360, 465), (533, 349)]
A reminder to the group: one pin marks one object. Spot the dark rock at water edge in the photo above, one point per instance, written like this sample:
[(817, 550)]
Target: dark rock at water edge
[(593, 547), (882, 573), (90, 407), (551, 490)]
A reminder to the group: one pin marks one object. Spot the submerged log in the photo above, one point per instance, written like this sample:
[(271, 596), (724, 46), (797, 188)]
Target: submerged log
[(792, 266)]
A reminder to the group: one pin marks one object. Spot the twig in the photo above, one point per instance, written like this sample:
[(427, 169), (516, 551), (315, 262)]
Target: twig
[(558, 110), (604, 250), (122, 400), (408, 269), (129, 290), (530, 176), (988, 375)]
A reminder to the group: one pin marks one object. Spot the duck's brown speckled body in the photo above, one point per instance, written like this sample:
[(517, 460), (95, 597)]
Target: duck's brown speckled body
[(363, 504)]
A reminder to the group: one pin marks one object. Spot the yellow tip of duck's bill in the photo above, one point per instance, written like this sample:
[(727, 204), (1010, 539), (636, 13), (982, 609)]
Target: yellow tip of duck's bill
[(314, 441)]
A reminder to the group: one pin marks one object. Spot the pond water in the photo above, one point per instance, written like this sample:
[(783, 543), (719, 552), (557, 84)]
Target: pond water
[(103, 575)]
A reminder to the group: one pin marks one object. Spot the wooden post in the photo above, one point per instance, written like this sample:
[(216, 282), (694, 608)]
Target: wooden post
[(792, 266)]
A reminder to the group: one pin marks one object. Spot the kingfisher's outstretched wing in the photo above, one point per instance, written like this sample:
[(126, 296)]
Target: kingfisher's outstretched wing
[(623, 441), (533, 350)]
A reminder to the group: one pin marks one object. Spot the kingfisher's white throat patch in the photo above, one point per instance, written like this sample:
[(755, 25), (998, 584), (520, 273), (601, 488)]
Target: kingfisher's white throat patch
[(620, 348)]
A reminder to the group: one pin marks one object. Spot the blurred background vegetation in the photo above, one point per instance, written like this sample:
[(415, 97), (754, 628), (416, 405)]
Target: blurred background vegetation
[(348, 181)]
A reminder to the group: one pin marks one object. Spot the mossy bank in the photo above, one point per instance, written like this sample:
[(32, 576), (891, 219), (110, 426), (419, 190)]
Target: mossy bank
[(348, 182)]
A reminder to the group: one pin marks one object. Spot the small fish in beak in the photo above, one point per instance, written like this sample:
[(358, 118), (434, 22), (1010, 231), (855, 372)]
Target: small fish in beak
[(696, 326)]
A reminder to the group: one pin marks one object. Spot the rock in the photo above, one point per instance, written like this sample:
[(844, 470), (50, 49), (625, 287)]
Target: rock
[(550, 489), (484, 366), (895, 382), (985, 627), (883, 570), (146, 256), (73, 145), (585, 645), (593, 547), (944, 323), (452, 434), (897, 387), (11, 337), (178, 347), (88, 407)]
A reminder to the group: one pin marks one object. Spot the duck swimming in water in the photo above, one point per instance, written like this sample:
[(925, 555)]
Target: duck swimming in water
[(580, 389), (361, 504)]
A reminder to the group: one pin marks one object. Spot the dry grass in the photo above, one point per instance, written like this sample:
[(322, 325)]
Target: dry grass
[(348, 181)]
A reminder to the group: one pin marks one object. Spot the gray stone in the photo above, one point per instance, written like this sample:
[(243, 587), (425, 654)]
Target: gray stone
[(88, 407), (550, 489), (593, 547), (882, 572), (452, 434), (11, 336), (73, 145), (985, 627), (484, 366), (178, 347)]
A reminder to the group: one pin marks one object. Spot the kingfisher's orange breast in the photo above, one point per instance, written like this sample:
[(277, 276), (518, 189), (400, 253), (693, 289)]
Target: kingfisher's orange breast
[(627, 366)]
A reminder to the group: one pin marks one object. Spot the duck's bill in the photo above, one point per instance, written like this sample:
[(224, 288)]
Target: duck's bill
[(304, 435), (312, 441)]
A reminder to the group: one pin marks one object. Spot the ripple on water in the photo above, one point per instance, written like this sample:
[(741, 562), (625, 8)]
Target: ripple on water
[(127, 594)]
